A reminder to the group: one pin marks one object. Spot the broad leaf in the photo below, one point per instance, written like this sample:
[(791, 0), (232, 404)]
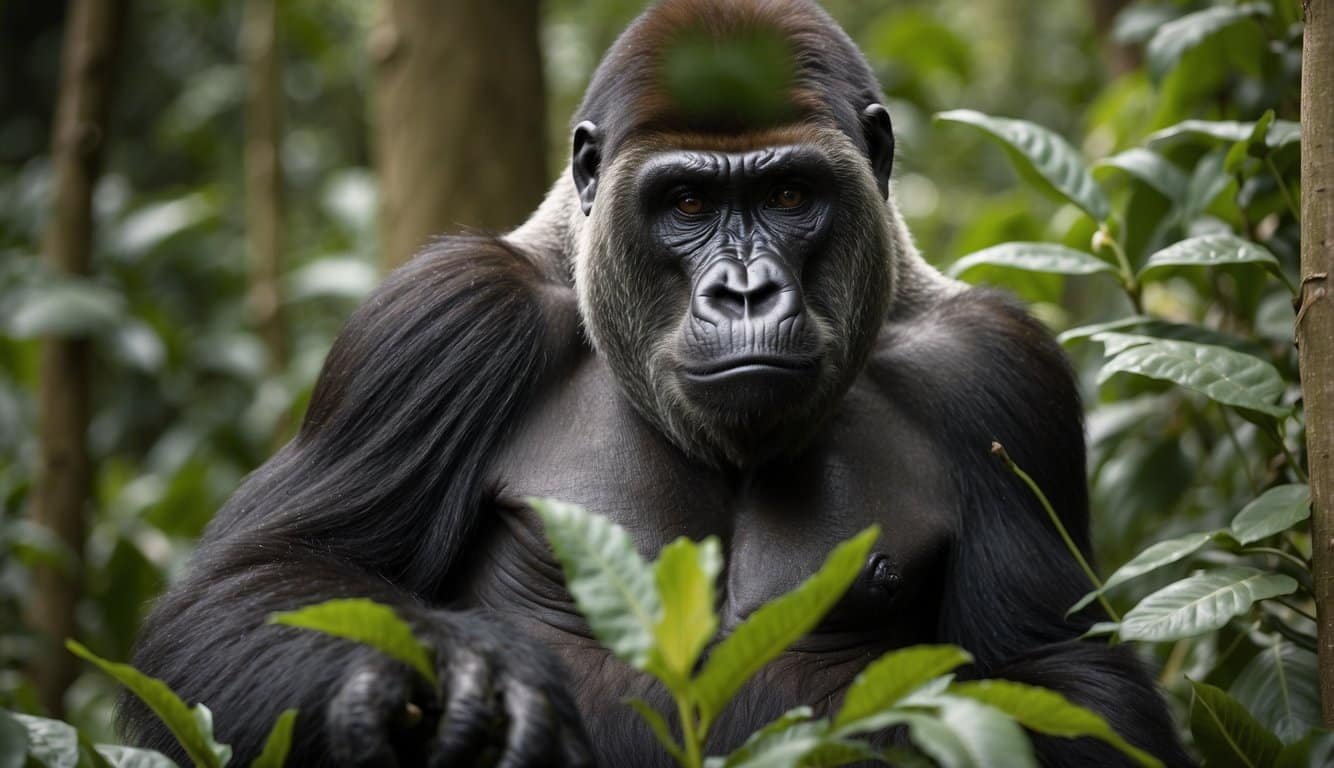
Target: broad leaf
[(1174, 38), (53, 743), (1221, 374), (936, 740), (1033, 257), (278, 743), (891, 677), (13, 741), (607, 577), (685, 573), (1082, 332), (366, 622), (779, 623), (1276, 510), (1152, 558), (1041, 156), (1280, 133), (1281, 686), (988, 736), (1226, 734), (1152, 169), (1210, 251), (1201, 603), (67, 307), (192, 728), (783, 743), (1044, 711)]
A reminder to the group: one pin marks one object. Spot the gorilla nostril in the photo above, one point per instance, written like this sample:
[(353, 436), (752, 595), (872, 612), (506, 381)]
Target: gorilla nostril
[(727, 301)]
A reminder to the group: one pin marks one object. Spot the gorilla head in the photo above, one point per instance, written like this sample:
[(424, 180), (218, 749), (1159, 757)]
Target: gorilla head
[(736, 263)]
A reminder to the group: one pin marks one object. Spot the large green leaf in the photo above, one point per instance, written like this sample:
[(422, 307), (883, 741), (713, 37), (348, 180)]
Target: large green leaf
[(779, 623), (607, 577), (1210, 251), (1226, 734), (1033, 257), (1152, 169), (1276, 510), (1201, 603), (191, 727), (989, 736), (278, 743), (1152, 558), (1280, 685), (366, 622), (685, 573), (1221, 374), (1174, 38), (67, 307), (784, 743), (936, 740), (1042, 157), (52, 743), (1280, 133), (1044, 711), (13, 741), (893, 676)]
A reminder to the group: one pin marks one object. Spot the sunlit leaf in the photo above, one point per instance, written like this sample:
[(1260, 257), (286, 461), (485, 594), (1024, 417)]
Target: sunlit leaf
[(1152, 169), (782, 743), (1201, 603), (1033, 257), (1226, 734), (279, 741), (893, 676), (1155, 556), (779, 623), (369, 623), (1210, 251), (989, 737), (1174, 38), (1042, 157), (684, 574), (1281, 687), (607, 577), (1280, 134), (1221, 374), (1275, 511)]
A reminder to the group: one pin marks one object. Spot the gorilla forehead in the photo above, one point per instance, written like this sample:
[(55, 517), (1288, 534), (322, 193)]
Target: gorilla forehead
[(798, 159)]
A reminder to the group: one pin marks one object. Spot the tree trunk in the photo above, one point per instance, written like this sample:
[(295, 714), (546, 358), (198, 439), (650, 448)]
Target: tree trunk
[(460, 118), (264, 175), (1315, 316), (64, 476)]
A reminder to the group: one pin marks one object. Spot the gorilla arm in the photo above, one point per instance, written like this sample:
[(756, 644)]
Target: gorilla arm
[(982, 370), (374, 498)]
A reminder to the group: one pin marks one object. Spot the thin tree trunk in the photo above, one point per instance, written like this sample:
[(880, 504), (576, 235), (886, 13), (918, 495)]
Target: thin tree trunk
[(60, 496), (460, 118), (264, 175), (1315, 316)]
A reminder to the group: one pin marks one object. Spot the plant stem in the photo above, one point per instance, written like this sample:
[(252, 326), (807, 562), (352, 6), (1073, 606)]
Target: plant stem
[(999, 451), (1291, 558), (1292, 460), (690, 737), (1128, 281), (1241, 455)]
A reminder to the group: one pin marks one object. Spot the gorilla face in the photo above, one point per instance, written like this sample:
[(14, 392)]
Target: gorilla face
[(734, 291)]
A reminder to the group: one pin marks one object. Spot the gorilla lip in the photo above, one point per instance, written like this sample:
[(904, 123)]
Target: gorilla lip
[(741, 366)]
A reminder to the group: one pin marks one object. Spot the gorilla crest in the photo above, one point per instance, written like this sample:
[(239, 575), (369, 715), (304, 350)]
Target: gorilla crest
[(715, 324)]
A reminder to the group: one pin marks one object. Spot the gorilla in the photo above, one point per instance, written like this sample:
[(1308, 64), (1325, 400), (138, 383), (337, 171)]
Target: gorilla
[(715, 324)]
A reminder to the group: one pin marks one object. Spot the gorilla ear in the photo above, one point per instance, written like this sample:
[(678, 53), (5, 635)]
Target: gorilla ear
[(880, 144), (585, 163)]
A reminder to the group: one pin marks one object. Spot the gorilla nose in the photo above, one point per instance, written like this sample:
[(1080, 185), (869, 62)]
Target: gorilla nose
[(761, 290)]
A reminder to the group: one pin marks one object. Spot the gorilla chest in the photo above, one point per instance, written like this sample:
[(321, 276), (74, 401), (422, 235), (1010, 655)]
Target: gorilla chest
[(869, 465)]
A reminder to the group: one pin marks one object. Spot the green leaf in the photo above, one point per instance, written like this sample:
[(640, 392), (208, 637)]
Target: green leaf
[(192, 728), (1085, 331), (1276, 510), (1033, 257), (988, 736), (119, 756), (369, 623), (68, 307), (1152, 169), (936, 740), (1221, 374), (608, 579), (1152, 558), (1226, 734), (783, 743), (685, 574), (1201, 603), (1042, 157), (1280, 133), (779, 623), (1314, 750), (1210, 251), (1044, 711), (53, 743), (1282, 687), (891, 677), (1176, 37), (660, 729), (278, 743), (13, 741), (836, 752)]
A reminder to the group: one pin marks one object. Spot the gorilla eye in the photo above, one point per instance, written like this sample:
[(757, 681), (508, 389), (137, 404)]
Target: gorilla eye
[(691, 205), (787, 197)]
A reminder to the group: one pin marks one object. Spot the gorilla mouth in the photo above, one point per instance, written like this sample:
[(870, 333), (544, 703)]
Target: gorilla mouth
[(751, 365)]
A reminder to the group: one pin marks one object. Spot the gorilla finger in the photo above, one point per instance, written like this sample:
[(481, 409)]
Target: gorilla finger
[(472, 722), (362, 715), (532, 731)]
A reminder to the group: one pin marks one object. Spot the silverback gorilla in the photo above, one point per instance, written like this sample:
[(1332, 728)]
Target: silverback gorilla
[(714, 325)]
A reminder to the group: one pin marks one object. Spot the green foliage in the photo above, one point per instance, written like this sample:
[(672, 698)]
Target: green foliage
[(366, 622), (1226, 733)]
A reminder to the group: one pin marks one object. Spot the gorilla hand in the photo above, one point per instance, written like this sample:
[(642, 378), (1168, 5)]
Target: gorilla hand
[(502, 701)]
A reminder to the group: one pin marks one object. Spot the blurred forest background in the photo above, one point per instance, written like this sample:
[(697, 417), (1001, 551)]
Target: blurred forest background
[(265, 163)]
